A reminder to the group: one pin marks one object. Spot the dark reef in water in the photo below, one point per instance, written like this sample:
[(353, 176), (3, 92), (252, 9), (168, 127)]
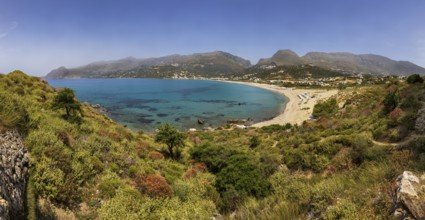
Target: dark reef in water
[(141, 103), (145, 120), (187, 92)]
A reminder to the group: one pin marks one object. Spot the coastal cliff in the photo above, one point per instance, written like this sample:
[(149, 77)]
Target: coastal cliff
[(13, 176)]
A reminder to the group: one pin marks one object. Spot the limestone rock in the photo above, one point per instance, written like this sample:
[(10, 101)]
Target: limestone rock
[(411, 194), (13, 176)]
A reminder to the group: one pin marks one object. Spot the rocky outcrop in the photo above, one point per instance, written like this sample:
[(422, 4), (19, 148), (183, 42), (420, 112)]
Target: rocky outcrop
[(13, 176), (410, 196)]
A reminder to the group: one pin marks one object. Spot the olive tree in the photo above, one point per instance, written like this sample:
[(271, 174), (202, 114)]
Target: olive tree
[(171, 137), (65, 99)]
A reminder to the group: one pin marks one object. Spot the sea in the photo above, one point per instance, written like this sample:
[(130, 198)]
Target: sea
[(144, 104)]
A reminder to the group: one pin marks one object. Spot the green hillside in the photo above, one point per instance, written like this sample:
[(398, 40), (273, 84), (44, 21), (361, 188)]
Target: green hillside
[(342, 165)]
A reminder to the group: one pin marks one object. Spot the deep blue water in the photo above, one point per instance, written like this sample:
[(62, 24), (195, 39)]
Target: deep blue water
[(146, 103)]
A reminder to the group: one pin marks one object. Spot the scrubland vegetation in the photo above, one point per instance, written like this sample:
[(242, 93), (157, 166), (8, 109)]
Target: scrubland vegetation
[(342, 165)]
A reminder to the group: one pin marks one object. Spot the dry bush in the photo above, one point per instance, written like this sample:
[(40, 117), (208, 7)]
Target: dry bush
[(155, 155), (154, 186), (194, 170)]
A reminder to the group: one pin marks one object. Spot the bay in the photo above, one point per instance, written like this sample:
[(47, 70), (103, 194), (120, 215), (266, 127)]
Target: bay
[(146, 103)]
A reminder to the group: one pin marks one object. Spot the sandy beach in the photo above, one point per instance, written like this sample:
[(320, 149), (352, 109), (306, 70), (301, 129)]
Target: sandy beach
[(300, 105)]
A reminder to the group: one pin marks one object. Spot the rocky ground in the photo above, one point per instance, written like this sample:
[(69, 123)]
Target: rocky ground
[(14, 172)]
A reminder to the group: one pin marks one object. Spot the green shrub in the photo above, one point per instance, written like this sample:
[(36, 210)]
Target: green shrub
[(359, 146), (276, 128), (215, 157), (238, 176), (132, 171), (376, 153), (322, 195), (417, 145), (342, 210), (19, 90), (319, 163), (408, 121), (420, 163), (296, 159), (292, 187), (414, 78), (269, 162), (12, 112), (242, 174), (48, 179), (254, 142), (127, 204), (410, 102), (390, 102), (325, 108), (109, 185)]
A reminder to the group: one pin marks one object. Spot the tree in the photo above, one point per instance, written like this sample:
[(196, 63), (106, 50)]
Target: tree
[(66, 99), (171, 137), (414, 78)]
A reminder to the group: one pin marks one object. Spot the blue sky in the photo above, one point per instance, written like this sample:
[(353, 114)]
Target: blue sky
[(37, 36)]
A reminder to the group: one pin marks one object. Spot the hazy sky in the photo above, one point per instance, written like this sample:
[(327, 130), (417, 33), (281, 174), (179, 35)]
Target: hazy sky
[(37, 36)]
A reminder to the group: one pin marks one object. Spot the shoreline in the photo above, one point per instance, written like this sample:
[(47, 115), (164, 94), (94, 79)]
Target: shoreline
[(296, 110)]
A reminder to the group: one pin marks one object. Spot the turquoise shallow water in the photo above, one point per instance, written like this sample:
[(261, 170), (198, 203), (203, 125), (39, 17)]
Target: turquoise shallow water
[(146, 103)]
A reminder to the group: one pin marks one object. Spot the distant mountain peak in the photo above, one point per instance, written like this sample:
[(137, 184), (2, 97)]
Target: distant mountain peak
[(281, 58), (285, 52)]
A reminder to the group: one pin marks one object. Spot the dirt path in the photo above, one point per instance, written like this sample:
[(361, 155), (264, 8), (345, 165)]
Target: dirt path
[(397, 144)]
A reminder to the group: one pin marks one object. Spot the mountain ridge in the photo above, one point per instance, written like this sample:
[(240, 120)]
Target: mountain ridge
[(223, 64), (211, 63), (369, 63)]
